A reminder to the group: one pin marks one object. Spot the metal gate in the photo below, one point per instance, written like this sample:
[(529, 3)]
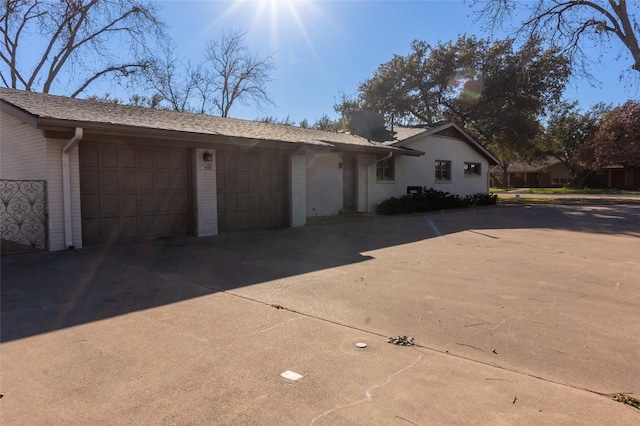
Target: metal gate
[(23, 215)]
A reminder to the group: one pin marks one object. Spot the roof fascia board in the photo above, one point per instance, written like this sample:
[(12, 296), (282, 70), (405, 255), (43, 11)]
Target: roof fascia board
[(19, 114), (471, 141), (378, 149), (56, 129)]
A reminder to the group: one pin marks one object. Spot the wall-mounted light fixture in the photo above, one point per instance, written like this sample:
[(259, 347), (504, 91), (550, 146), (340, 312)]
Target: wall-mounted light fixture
[(207, 156)]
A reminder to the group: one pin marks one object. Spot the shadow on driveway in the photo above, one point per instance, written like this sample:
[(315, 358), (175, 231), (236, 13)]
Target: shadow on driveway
[(43, 292)]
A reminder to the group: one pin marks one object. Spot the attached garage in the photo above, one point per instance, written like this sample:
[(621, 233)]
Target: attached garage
[(117, 172), (251, 190), (133, 192)]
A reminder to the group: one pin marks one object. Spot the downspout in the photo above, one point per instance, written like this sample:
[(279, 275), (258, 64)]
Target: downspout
[(367, 176), (66, 187)]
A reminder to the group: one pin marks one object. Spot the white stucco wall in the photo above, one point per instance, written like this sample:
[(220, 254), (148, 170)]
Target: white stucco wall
[(206, 214), (324, 183), (420, 171)]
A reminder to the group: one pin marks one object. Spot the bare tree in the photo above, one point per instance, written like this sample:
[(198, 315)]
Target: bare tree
[(171, 84), (571, 24), (46, 43), (233, 73)]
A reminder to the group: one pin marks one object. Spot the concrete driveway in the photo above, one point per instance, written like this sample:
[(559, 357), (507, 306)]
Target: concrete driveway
[(520, 315)]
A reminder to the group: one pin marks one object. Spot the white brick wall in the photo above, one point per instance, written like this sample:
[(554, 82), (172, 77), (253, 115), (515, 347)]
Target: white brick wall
[(324, 183), (420, 171), (26, 154), (22, 150), (206, 214), (298, 181)]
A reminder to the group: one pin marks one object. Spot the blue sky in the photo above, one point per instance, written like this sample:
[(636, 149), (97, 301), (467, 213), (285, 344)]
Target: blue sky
[(323, 48)]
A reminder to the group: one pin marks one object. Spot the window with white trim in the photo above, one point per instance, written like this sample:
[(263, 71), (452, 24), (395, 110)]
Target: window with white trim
[(472, 169), (385, 169), (443, 170)]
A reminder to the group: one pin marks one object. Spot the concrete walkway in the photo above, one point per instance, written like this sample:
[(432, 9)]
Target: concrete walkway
[(520, 315)]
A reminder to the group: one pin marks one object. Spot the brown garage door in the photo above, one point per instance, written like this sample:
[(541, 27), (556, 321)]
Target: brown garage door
[(133, 192), (251, 190)]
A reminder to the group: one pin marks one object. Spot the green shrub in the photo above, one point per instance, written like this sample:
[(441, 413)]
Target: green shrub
[(430, 200)]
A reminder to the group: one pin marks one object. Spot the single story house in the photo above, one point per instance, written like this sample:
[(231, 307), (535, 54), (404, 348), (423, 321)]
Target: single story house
[(545, 174), (80, 172), (553, 173)]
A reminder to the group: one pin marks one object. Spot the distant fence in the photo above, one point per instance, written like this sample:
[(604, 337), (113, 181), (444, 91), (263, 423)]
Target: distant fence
[(23, 215)]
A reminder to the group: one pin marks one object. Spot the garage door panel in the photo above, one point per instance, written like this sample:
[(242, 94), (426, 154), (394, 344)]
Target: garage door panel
[(231, 181), (244, 219), (111, 204), (109, 156), (111, 227), (129, 226), (179, 181), (163, 203), (133, 192), (250, 188), (146, 203), (146, 181), (127, 157), (243, 163), (90, 180), (89, 156), (230, 162), (129, 180), (110, 180), (91, 226), (276, 181), (163, 181), (179, 159), (90, 204), (243, 182), (145, 158), (163, 224), (243, 200), (232, 201), (129, 204), (180, 203), (162, 160)]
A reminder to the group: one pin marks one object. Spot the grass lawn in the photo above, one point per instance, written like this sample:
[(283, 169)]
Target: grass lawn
[(575, 191)]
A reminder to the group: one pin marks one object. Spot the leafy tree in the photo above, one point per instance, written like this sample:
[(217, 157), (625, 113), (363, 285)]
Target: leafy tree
[(616, 141), (572, 24), (287, 121), (326, 123), (567, 128), (497, 93), (74, 40)]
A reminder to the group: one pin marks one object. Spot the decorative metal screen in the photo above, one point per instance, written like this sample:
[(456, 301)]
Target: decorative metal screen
[(23, 214)]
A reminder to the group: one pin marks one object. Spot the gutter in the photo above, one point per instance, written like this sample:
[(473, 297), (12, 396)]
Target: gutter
[(367, 176), (66, 186)]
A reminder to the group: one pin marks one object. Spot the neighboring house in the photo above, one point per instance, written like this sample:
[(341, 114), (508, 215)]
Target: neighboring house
[(554, 173), (86, 172), (546, 174)]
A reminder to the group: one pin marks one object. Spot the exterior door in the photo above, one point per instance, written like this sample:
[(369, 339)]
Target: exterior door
[(349, 183)]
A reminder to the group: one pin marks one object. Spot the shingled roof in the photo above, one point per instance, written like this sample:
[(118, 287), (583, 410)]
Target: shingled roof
[(52, 110)]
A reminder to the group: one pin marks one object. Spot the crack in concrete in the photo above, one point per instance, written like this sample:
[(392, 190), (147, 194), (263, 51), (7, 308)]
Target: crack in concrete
[(368, 394)]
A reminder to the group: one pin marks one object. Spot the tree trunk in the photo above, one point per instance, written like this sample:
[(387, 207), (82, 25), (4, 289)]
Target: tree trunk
[(505, 175)]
